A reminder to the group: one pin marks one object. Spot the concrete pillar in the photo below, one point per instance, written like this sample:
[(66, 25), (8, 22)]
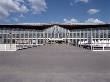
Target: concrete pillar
[(32, 37), (20, 39), (43, 38), (24, 38), (65, 35), (39, 37), (91, 39), (28, 39), (80, 38), (76, 38), (36, 38), (10, 34), (2, 32)]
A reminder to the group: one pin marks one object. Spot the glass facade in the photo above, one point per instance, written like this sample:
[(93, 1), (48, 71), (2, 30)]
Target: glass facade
[(24, 38)]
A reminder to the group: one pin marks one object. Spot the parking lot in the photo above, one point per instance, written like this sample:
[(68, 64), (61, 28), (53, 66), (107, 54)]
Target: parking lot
[(55, 63)]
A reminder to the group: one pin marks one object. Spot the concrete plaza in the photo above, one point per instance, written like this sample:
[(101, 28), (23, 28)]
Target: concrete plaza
[(55, 63)]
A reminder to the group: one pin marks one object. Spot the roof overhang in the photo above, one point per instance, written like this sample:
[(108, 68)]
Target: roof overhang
[(75, 26), (66, 26)]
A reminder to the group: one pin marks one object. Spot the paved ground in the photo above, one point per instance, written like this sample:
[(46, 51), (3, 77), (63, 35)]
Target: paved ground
[(55, 63)]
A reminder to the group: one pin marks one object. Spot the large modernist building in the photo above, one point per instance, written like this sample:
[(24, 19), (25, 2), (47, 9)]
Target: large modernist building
[(89, 36)]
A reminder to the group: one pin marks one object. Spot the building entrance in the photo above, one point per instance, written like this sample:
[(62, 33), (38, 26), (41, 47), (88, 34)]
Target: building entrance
[(54, 41)]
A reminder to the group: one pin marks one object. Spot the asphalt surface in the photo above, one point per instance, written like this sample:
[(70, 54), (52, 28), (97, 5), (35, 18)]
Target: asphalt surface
[(55, 63)]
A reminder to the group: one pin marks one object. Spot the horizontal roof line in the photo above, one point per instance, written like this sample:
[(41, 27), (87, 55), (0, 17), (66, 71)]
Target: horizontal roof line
[(45, 26), (40, 24)]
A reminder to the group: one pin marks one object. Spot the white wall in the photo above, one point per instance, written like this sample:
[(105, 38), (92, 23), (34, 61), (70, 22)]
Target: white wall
[(7, 47)]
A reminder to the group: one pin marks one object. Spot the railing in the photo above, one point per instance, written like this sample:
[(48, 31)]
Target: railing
[(103, 45)]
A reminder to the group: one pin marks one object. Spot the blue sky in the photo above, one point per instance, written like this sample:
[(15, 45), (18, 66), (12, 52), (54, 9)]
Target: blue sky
[(54, 11)]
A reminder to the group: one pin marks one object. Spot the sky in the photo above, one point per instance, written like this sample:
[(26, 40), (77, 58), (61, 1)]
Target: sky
[(54, 11)]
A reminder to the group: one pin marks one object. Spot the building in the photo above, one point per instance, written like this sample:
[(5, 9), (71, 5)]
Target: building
[(95, 37)]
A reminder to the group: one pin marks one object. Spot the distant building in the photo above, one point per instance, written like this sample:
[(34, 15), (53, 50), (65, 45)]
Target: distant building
[(90, 36)]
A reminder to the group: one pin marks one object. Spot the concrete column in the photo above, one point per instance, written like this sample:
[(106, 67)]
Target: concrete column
[(103, 33), (72, 36), (51, 34), (76, 38), (43, 38), (58, 32), (15, 38), (32, 38), (69, 38), (36, 38), (95, 35), (65, 35), (87, 35), (39, 37), (28, 38), (24, 38), (6, 38), (11, 32), (103, 39), (91, 39), (107, 33), (20, 39), (80, 38), (2, 32), (83, 34), (46, 36)]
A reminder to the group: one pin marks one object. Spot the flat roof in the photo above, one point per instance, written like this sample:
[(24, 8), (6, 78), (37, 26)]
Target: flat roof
[(66, 26)]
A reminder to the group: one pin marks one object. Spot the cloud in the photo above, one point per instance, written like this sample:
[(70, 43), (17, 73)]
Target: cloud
[(92, 20), (38, 5), (70, 20), (3, 13), (88, 21), (19, 6), (93, 11), (7, 7), (84, 1), (21, 16), (71, 3), (15, 19)]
